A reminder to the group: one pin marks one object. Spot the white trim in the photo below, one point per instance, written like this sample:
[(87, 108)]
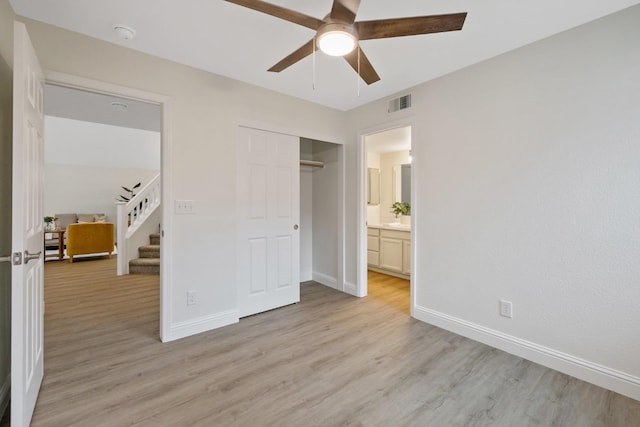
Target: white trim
[(351, 289), (270, 127), (594, 373), (325, 279), (361, 208), (82, 83), (201, 324)]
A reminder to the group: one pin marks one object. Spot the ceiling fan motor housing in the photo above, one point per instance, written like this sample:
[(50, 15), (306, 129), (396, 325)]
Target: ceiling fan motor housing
[(332, 30)]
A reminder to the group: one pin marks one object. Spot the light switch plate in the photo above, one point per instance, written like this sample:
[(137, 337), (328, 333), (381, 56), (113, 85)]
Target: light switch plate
[(185, 207)]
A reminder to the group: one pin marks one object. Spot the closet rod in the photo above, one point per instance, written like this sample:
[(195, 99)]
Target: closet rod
[(311, 163)]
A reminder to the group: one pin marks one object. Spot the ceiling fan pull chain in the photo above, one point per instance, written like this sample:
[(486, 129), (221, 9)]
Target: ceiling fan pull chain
[(314, 64)]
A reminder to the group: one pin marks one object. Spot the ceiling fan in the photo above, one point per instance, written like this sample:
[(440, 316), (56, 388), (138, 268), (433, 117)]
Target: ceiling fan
[(338, 33)]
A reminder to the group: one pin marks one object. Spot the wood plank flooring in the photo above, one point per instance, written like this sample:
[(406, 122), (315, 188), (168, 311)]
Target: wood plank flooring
[(331, 360)]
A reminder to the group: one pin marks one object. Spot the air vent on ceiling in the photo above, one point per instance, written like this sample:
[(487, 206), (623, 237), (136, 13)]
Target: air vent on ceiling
[(398, 104)]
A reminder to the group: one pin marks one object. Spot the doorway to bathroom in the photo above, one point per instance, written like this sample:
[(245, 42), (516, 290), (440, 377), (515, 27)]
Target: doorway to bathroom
[(387, 221)]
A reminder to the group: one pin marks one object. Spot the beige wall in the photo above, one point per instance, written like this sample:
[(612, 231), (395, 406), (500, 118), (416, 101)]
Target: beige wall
[(527, 189), (6, 117), (206, 110)]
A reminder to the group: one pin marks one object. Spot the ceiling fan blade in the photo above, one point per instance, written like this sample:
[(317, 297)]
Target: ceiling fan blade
[(367, 72), (345, 10), (399, 27), (304, 51), (280, 12)]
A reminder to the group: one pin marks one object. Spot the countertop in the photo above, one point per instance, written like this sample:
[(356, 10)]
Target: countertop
[(396, 227)]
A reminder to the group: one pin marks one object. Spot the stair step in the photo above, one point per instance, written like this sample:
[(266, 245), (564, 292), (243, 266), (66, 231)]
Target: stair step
[(149, 251), (154, 238), (144, 266)]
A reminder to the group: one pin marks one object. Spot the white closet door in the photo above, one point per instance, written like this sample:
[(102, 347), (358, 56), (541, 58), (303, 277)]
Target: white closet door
[(268, 208)]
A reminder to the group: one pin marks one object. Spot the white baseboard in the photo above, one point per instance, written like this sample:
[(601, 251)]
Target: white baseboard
[(305, 276), (5, 394), (201, 324), (326, 280), (585, 370), (351, 289)]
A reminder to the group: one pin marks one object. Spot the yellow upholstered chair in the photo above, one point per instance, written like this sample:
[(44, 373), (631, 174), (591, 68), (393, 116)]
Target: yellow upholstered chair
[(89, 238)]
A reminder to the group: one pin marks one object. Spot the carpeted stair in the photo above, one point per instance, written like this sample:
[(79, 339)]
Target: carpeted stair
[(149, 261)]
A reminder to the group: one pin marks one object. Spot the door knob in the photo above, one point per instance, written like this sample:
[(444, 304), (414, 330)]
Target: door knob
[(295, 227), (28, 257)]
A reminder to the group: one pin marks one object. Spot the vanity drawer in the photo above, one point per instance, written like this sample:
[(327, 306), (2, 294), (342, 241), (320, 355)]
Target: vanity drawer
[(373, 243), (373, 232), (393, 234), (373, 258)]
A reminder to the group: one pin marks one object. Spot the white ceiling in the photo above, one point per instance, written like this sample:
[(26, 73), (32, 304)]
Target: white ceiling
[(233, 41)]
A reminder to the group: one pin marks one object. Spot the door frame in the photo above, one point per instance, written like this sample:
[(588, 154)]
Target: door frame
[(342, 284), (81, 83), (361, 193)]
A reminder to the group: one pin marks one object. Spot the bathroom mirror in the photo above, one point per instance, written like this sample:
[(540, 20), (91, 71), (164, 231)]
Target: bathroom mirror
[(373, 186), (402, 183)]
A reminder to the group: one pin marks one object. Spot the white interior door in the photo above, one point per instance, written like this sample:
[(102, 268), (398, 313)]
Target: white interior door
[(27, 299), (269, 214)]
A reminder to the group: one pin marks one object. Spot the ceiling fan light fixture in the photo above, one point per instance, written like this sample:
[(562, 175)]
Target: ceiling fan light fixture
[(337, 39)]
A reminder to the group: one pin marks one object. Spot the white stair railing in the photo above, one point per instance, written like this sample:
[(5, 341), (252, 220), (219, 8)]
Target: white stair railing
[(131, 215)]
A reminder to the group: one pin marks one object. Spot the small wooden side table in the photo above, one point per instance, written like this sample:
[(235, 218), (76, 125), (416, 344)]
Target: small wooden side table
[(60, 233)]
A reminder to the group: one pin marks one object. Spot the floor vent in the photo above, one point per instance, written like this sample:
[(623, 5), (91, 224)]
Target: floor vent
[(398, 104)]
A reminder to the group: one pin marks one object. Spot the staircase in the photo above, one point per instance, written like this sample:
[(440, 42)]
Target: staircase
[(149, 261)]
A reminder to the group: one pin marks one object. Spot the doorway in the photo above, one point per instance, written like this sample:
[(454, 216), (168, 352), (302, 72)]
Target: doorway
[(99, 150), (386, 225), (136, 98)]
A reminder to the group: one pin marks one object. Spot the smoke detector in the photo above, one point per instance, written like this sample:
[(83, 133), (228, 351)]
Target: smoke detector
[(124, 32), (119, 106)]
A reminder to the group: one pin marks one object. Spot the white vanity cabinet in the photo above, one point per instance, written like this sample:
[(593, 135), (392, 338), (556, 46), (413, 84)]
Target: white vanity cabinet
[(389, 251), (406, 256), (373, 247)]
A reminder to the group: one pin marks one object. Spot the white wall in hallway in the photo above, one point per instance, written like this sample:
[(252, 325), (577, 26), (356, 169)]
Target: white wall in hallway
[(76, 142), (87, 163)]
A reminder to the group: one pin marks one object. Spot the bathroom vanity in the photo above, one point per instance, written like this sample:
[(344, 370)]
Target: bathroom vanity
[(389, 249)]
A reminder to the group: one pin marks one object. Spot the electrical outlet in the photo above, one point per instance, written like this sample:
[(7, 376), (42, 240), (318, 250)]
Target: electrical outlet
[(506, 309), (191, 297)]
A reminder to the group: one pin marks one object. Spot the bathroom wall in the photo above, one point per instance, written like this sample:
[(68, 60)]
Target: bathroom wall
[(387, 162), (373, 211)]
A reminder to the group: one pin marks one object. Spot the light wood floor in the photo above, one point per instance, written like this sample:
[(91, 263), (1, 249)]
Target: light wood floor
[(331, 360)]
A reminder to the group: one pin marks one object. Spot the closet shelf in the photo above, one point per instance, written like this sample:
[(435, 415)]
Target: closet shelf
[(312, 163)]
